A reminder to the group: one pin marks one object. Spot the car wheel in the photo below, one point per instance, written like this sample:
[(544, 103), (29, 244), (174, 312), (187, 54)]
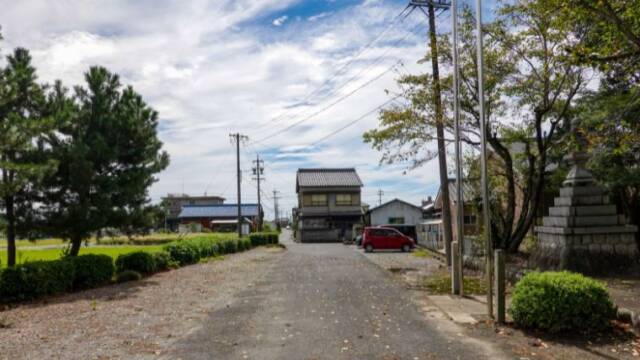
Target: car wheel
[(368, 248), (406, 248)]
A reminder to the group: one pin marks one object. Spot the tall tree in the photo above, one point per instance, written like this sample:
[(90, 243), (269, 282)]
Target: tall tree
[(531, 85), (22, 124), (108, 153)]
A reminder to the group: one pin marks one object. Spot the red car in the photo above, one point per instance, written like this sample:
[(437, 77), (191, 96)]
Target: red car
[(374, 238)]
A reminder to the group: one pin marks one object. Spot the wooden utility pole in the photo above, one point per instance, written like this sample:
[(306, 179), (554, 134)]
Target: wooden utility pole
[(380, 193), (237, 138), (431, 6), (258, 170)]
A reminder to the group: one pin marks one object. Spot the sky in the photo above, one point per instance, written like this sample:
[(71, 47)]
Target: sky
[(301, 79)]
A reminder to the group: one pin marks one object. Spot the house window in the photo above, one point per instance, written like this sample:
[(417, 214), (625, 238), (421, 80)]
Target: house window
[(344, 199), (469, 219), (319, 200), (396, 220)]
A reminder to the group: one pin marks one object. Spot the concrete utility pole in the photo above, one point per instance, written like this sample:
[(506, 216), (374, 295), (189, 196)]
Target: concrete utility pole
[(275, 208), (483, 157), (258, 170), (380, 193), (237, 138), (431, 6), (457, 272)]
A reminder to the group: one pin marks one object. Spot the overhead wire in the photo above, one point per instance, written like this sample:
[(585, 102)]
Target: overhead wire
[(346, 65)]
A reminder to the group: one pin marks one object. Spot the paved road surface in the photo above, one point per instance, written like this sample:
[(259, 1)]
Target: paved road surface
[(326, 301)]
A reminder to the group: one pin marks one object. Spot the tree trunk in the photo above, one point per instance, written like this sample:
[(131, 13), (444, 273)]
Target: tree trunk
[(11, 230), (76, 242), (442, 151)]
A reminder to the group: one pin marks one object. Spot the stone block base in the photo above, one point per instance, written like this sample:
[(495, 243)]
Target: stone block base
[(594, 254)]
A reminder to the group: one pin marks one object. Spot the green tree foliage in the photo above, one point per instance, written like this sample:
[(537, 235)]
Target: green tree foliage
[(612, 29), (530, 88), (23, 124), (611, 122), (108, 153)]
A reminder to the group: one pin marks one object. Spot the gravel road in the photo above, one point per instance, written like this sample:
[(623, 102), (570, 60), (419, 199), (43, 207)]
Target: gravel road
[(326, 301)]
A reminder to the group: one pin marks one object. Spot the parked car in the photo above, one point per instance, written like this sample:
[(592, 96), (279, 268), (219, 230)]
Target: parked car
[(377, 238), (408, 230)]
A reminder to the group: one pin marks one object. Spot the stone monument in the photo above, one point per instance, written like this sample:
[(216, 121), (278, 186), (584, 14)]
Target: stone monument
[(583, 231)]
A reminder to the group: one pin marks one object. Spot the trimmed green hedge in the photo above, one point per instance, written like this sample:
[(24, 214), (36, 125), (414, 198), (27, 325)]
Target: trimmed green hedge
[(561, 301), (163, 261), (91, 270), (31, 280), (264, 238), (128, 275), (139, 261)]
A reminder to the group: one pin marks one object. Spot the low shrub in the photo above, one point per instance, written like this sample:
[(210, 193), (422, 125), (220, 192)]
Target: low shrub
[(163, 261), (561, 301), (140, 261), (244, 244), (263, 238), (128, 275), (184, 253), (230, 246), (31, 280), (91, 270)]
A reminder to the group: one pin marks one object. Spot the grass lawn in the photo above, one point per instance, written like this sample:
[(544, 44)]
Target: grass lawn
[(121, 240), (52, 254)]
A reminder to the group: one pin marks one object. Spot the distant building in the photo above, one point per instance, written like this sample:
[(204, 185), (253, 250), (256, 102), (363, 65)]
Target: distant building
[(329, 204), (394, 212), (222, 218), (430, 231), (175, 202)]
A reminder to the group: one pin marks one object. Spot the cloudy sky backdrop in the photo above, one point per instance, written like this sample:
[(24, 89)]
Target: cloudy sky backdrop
[(212, 67)]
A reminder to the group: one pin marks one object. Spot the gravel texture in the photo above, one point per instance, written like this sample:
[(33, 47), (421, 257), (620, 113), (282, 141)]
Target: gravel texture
[(132, 320)]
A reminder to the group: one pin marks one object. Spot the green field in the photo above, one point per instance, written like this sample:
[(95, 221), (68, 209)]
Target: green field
[(53, 254), (120, 240)]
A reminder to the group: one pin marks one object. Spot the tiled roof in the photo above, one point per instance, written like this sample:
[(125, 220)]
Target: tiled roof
[(217, 211), (328, 177), (393, 201)]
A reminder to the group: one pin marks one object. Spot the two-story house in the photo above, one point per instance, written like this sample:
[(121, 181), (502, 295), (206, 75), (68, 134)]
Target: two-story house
[(328, 204)]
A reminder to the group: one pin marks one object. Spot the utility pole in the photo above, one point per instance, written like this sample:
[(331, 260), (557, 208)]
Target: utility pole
[(483, 157), (275, 208), (380, 193), (431, 6), (237, 138), (258, 170), (457, 270)]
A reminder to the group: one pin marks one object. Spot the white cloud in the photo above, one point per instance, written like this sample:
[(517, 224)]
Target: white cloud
[(280, 21), (318, 16), (210, 70)]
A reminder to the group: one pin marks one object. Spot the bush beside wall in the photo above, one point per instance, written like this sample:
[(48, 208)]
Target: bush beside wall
[(561, 301)]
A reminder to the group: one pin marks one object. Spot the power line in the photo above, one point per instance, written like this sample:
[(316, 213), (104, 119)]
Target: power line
[(341, 99), (351, 123), (347, 64)]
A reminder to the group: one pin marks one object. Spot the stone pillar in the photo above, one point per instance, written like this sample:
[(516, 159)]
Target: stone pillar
[(583, 231)]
